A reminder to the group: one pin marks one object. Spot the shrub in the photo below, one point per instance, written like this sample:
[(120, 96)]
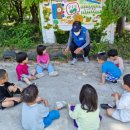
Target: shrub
[(20, 36), (62, 37), (122, 44)]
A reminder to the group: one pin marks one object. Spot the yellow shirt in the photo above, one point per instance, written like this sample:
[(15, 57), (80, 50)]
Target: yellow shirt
[(85, 120)]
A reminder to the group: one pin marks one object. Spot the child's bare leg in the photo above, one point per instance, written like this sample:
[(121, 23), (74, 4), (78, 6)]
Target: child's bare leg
[(12, 102), (110, 112), (27, 81), (7, 104), (15, 89), (33, 72)]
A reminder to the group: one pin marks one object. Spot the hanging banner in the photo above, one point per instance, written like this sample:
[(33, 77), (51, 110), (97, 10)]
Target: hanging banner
[(64, 12)]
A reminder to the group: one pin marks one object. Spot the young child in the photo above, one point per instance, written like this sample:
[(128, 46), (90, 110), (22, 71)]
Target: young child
[(110, 71), (22, 68), (43, 62), (7, 90), (35, 113), (122, 103), (113, 57), (86, 114)]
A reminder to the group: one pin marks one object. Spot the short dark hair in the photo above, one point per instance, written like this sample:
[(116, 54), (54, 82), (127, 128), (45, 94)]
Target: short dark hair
[(40, 49), (126, 80), (102, 56), (2, 73), (88, 98), (30, 93), (21, 56), (112, 52)]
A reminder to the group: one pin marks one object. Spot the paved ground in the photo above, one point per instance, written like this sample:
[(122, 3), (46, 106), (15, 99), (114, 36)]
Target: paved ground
[(65, 87)]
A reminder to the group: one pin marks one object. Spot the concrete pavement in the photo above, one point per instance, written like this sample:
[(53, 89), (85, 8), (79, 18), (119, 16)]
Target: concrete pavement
[(65, 87)]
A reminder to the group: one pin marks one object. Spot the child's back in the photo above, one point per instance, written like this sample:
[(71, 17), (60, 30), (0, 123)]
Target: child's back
[(35, 113), (86, 114), (111, 68), (32, 116), (85, 120), (122, 111)]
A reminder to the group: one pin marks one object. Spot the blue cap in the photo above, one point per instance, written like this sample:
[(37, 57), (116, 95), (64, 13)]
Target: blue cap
[(76, 26)]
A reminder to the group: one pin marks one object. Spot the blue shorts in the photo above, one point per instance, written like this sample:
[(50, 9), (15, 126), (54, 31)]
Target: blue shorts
[(111, 78)]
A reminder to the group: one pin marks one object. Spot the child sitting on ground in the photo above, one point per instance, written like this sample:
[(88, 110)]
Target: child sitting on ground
[(113, 57), (122, 103), (43, 62), (7, 90), (35, 113), (110, 71), (86, 114), (22, 68)]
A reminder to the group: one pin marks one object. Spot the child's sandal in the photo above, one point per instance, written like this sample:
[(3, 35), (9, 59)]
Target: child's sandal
[(61, 104)]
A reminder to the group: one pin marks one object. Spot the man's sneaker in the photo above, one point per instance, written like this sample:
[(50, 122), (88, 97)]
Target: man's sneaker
[(54, 73), (86, 59), (40, 75), (73, 61)]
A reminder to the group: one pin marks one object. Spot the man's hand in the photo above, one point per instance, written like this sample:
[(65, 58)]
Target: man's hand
[(66, 50), (77, 51)]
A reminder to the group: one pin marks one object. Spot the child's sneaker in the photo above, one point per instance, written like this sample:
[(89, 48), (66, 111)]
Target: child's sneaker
[(115, 81), (61, 104), (40, 75), (54, 73)]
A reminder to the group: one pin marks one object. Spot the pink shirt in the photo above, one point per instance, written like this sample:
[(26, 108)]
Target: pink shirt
[(21, 69), (43, 59)]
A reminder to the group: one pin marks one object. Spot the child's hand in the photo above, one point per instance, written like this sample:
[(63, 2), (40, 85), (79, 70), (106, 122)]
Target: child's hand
[(113, 94), (32, 78), (21, 89), (116, 95), (17, 99), (101, 83), (39, 99), (45, 102)]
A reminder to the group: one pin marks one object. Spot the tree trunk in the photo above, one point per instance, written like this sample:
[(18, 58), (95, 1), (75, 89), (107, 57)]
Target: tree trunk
[(120, 26), (34, 13), (18, 5)]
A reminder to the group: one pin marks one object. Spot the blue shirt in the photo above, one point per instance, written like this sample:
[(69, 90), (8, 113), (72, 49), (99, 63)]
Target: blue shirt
[(111, 68), (82, 40), (32, 116)]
